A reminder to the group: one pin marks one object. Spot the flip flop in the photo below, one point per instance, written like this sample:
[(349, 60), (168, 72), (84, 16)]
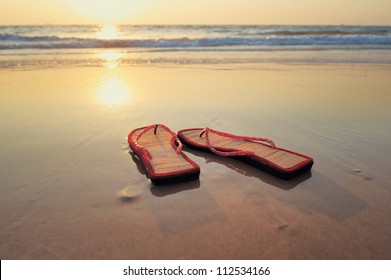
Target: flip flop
[(160, 151), (260, 152)]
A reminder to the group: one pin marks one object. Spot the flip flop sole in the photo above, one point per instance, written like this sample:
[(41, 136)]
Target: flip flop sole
[(280, 162), (158, 153)]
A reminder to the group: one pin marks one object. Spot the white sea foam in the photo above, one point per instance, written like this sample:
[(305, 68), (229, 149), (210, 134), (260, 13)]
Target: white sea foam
[(12, 41)]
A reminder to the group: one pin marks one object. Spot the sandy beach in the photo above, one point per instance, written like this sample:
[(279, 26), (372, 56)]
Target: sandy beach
[(71, 189)]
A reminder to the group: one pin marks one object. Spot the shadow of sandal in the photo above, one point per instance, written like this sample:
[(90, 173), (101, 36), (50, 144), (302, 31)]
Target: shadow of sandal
[(140, 166), (161, 191), (251, 171)]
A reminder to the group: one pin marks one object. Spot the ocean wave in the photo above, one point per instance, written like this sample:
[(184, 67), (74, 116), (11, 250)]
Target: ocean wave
[(284, 38), (329, 32), (312, 32), (17, 38)]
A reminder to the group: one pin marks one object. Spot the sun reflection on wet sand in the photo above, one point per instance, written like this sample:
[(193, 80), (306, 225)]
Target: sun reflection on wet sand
[(113, 92), (111, 57)]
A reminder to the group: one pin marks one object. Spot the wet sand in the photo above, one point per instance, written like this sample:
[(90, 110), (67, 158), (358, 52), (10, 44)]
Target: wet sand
[(70, 189)]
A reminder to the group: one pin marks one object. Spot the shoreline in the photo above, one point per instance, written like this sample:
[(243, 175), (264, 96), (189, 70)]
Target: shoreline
[(122, 58)]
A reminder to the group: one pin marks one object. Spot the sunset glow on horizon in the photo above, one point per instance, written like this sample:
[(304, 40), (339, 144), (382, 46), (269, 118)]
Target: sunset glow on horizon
[(333, 12), (108, 32), (107, 11)]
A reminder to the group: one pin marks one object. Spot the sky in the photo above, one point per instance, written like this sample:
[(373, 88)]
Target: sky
[(333, 12)]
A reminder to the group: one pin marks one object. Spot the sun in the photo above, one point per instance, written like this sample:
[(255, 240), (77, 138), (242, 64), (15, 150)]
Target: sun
[(107, 32)]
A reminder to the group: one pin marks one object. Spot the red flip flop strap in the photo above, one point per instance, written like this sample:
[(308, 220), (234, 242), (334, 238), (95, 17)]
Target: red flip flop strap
[(245, 138), (234, 153), (146, 129), (222, 153), (258, 139), (144, 150), (176, 143)]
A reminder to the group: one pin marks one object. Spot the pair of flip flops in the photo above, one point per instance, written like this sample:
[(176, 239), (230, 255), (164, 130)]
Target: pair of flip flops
[(160, 150)]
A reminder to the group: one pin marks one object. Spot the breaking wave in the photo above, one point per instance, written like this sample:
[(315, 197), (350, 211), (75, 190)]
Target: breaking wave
[(284, 38)]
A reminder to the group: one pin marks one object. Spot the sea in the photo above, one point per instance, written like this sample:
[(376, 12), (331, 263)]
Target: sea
[(43, 46)]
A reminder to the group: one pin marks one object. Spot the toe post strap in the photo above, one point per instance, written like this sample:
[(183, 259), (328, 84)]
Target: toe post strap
[(176, 143)]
